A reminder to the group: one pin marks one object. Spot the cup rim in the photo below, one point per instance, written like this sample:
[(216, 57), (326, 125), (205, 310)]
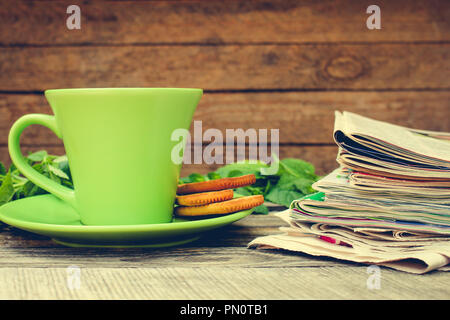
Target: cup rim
[(93, 90)]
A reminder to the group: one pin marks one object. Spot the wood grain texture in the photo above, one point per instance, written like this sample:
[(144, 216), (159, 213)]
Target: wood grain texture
[(237, 234), (219, 22), (231, 67), (301, 117), (214, 248), (221, 283), (323, 157), (32, 267)]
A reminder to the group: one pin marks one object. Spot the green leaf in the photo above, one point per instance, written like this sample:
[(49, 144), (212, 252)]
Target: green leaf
[(38, 156), (288, 182), (6, 189), (304, 185), (298, 168), (62, 163), (235, 173), (29, 189), (2, 169), (213, 176), (268, 187), (58, 172), (255, 190), (283, 197), (262, 209), (39, 167), (184, 180), (53, 177), (238, 194), (67, 183), (26, 190), (35, 190), (60, 159), (12, 168), (193, 177), (244, 167), (242, 191)]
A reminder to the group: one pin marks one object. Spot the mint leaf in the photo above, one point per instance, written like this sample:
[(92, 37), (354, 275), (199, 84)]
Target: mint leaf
[(13, 186), (239, 195), (283, 197), (63, 164), (60, 159), (213, 176), (298, 168), (235, 173), (29, 189), (2, 169), (255, 190), (12, 167), (53, 177), (304, 185), (242, 191), (244, 167), (262, 209), (58, 172), (39, 167), (38, 156), (288, 182), (6, 189), (193, 177)]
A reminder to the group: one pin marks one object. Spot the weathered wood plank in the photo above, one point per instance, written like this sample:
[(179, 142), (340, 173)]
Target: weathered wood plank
[(237, 234), (323, 157), (189, 257), (301, 117), (231, 67), (225, 245), (222, 283), (218, 22)]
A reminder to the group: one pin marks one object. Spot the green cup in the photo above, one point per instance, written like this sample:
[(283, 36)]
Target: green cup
[(118, 144)]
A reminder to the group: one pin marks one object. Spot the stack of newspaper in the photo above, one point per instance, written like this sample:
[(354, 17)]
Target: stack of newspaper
[(388, 203)]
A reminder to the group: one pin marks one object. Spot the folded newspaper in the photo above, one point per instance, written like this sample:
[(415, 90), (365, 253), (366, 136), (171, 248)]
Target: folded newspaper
[(388, 203)]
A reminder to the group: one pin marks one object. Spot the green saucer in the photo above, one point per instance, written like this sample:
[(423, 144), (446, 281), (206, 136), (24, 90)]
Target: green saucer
[(48, 216)]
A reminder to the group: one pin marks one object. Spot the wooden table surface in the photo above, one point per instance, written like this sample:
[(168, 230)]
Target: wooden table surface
[(218, 266)]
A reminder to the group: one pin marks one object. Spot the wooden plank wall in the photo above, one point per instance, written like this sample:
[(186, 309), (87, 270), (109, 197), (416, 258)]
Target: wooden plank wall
[(263, 64)]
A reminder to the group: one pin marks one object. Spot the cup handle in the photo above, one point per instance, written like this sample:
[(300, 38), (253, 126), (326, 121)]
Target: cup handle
[(64, 193)]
